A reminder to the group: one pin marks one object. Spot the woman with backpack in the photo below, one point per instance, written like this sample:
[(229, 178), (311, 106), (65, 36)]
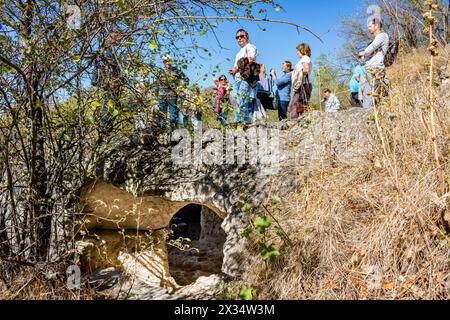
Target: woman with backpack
[(301, 86)]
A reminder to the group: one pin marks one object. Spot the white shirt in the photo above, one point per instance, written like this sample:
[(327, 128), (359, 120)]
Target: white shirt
[(249, 51), (377, 50), (332, 104), (304, 59), (298, 70)]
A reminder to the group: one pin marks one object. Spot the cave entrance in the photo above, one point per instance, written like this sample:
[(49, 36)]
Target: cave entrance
[(195, 245)]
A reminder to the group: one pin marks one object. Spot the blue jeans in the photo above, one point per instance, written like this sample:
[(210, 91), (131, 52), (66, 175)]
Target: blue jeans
[(246, 112), (174, 113), (182, 119), (236, 116), (195, 120), (283, 109), (223, 117)]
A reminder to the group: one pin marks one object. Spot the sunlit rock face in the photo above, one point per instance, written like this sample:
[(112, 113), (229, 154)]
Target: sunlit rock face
[(147, 179)]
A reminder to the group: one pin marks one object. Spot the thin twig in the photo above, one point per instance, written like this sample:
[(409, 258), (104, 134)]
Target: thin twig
[(238, 18), (279, 225)]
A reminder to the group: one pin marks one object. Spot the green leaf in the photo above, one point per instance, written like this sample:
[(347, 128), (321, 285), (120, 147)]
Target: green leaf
[(263, 223), (152, 44), (247, 207), (96, 104), (276, 199), (246, 293), (111, 104), (247, 232), (115, 113), (280, 232), (269, 253)]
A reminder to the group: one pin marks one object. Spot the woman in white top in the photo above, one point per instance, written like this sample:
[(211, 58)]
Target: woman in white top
[(301, 86)]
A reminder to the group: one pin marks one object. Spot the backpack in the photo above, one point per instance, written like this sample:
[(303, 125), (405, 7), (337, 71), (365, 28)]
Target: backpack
[(391, 54), (297, 80)]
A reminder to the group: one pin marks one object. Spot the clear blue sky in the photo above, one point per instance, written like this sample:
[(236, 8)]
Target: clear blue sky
[(277, 42)]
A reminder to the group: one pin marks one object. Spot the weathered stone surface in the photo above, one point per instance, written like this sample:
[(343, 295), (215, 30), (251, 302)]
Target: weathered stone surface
[(146, 170), (205, 288), (140, 187)]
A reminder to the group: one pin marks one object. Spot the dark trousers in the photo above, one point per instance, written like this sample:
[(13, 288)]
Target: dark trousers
[(283, 110), (356, 103)]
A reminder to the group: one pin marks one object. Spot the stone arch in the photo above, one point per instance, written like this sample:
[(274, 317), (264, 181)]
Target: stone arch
[(110, 209), (204, 256)]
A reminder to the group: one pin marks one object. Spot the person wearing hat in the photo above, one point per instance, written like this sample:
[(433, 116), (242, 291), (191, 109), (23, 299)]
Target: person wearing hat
[(171, 82)]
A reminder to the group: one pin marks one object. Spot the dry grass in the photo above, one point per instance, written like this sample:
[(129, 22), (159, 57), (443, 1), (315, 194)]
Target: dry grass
[(372, 231), (46, 283), (376, 230)]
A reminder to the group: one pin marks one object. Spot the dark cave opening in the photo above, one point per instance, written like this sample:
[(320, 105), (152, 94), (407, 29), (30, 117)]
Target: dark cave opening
[(195, 244)]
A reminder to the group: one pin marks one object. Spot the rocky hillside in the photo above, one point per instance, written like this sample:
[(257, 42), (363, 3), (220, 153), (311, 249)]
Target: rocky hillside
[(378, 228), (361, 206)]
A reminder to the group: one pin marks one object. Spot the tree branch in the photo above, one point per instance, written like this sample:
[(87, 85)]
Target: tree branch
[(238, 18), (15, 67)]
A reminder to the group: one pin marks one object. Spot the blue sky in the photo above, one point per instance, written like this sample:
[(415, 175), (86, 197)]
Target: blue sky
[(277, 43)]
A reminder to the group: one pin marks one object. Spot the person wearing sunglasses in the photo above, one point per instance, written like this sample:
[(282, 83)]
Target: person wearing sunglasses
[(247, 50), (222, 99)]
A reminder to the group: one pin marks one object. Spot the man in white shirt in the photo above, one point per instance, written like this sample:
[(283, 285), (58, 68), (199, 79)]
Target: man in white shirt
[(248, 50)]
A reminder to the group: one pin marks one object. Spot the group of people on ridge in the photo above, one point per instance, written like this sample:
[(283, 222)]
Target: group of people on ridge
[(255, 91)]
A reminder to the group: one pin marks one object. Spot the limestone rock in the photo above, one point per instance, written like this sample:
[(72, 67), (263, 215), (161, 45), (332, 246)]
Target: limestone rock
[(142, 184)]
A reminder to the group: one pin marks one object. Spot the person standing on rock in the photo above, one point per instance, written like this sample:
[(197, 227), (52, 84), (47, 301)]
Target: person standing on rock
[(359, 73), (283, 92), (171, 83), (247, 50), (301, 85), (246, 90), (198, 102), (374, 54), (222, 104)]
